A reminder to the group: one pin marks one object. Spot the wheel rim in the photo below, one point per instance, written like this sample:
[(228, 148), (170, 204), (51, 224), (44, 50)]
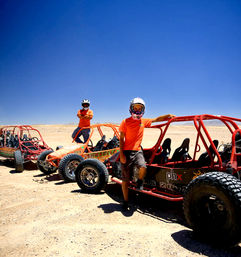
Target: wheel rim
[(89, 176), (71, 167), (46, 165), (212, 211)]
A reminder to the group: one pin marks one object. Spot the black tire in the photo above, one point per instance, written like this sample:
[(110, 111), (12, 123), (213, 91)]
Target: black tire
[(91, 176), (18, 161), (43, 165), (212, 207), (59, 147), (68, 165)]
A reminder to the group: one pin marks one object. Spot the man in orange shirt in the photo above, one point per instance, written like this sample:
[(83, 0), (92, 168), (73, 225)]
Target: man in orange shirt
[(131, 134), (84, 115)]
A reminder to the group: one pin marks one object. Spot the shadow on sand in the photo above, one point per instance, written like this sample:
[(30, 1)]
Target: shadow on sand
[(10, 164), (51, 177), (146, 205), (188, 240), (165, 211)]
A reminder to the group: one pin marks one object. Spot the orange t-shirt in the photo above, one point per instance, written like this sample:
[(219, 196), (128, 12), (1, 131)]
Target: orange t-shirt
[(133, 130), (84, 122)]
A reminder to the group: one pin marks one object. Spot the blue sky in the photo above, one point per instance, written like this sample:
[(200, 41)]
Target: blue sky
[(181, 57)]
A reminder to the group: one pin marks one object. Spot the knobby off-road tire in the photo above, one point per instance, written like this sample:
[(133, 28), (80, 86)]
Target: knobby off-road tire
[(18, 161), (212, 207), (68, 165), (43, 165), (91, 176)]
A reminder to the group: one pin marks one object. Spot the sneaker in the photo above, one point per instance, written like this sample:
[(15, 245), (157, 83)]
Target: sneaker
[(125, 206), (139, 185)]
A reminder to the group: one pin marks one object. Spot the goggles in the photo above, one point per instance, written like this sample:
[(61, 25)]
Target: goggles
[(137, 108), (85, 105)]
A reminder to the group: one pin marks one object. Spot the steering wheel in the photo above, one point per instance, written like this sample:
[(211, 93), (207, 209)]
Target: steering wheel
[(35, 139)]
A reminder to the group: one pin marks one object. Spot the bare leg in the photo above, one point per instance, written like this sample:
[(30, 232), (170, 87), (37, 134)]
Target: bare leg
[(125, 190), (142, 173)]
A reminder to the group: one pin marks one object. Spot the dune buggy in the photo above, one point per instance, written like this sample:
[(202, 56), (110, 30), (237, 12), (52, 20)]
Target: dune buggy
[(66, 159), (203, 172), (22, 143)]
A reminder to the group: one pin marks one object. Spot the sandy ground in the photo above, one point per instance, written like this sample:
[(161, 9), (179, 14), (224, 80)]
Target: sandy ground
[(43, 216)]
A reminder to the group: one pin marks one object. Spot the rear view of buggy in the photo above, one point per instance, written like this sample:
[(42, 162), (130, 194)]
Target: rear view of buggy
[(22, 143)]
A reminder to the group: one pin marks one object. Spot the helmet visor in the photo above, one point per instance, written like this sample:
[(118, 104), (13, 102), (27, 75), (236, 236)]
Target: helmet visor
[(137, 108), (85, 105)]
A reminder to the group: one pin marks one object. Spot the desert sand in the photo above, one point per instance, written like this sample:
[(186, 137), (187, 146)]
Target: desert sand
[(43, 216)]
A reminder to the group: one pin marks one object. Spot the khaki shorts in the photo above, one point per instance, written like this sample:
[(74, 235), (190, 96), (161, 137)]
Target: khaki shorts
[(133, 158)]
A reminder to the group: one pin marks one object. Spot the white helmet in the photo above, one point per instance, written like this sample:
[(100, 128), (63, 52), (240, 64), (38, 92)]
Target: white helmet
[(137, 114), (85, 104)]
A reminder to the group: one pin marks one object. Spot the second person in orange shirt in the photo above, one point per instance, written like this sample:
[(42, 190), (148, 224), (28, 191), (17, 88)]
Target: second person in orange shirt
[(84, 115)]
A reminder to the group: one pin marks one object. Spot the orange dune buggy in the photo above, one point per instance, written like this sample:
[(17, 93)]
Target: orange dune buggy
[(66, 159)]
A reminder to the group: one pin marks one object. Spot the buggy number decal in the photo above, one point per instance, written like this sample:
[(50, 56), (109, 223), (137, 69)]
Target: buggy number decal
[(173, 176), (174, 188)]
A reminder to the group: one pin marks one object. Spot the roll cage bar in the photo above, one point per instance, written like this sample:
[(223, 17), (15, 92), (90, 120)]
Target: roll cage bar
[(98, 126), (198, 121), (18, 130)]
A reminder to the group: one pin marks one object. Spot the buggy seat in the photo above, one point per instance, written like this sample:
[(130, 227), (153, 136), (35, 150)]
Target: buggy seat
[(204, 159), (181, 153)]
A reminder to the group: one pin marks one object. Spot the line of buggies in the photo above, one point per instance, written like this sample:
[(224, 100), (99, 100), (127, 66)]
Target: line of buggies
[(206, 178)]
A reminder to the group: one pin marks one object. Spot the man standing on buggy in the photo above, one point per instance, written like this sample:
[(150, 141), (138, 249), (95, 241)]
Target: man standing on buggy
[(84, 115)]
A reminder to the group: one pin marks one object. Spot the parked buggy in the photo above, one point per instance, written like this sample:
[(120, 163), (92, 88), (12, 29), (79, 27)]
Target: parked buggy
[(22, 143), (102, 143), (206, 178)]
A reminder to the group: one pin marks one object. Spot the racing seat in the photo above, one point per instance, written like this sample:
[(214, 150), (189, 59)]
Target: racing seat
[(16, 142), (238, 142), (113, 143), (100, 144), (7, 138), (27, 143), (181, 153), (1, 140), (238, 147), (204, 159), (11, 142), (163, 156), (25, 137)]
